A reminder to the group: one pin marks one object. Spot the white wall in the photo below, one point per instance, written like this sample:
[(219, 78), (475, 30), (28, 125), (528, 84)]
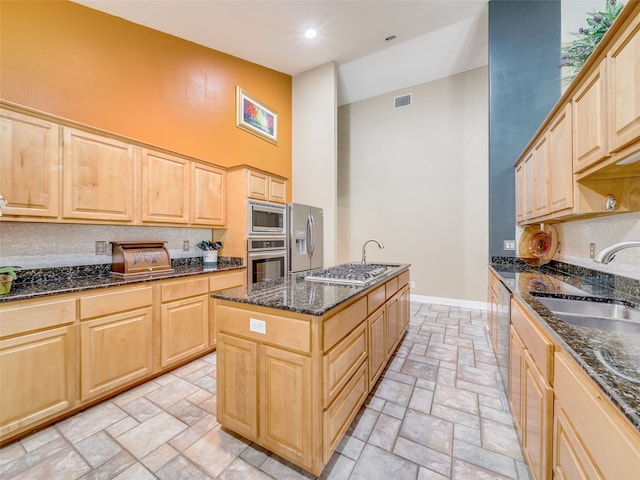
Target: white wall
[(416, 178), (314, 149)]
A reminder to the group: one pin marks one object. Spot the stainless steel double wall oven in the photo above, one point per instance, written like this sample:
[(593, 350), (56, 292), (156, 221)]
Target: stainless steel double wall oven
[(266, 242)]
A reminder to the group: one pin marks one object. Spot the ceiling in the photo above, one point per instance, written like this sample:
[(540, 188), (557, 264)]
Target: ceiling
[(434, 38)]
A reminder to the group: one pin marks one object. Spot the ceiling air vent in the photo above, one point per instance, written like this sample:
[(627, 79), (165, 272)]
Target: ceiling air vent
[(402, 101)]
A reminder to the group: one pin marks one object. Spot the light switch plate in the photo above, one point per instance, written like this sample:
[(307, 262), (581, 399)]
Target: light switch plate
[(509, 244), (257, 326)]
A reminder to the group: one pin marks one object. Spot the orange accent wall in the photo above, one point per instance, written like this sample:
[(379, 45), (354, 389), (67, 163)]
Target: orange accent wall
[(84, 65)]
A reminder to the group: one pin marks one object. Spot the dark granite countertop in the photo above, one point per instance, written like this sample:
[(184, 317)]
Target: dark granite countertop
[(294, 294), (55, 281), (589, 347)]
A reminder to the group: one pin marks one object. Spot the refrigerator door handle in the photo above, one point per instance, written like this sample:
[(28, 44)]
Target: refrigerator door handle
[(311, 231)]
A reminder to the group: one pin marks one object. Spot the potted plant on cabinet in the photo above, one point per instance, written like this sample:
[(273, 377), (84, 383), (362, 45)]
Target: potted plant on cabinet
[(7, 276)]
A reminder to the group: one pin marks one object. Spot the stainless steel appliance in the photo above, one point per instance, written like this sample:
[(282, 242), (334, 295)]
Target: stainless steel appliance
[(349, 274), (266, 258), (265, 218), (305, 237)]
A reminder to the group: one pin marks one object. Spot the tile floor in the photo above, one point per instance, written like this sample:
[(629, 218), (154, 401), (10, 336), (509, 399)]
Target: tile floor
[(438, 412)]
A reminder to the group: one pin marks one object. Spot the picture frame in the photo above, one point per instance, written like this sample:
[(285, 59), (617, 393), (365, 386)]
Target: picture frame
[(255, 117)]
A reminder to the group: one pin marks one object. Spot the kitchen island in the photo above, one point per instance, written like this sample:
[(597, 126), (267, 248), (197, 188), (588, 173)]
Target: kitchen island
[(296, 359)]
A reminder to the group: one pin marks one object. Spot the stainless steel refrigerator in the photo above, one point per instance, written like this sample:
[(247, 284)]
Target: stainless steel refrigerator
[(304, 224)]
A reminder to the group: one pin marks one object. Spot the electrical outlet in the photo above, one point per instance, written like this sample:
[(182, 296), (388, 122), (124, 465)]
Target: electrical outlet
[(257, 326), (509, 244), (101, 247), (592, 250), (185, 245), (412, 284)]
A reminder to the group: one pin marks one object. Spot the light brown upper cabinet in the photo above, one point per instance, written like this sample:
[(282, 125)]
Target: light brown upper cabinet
[(589, 120), (262, 186), (560, 179), (165, 188), (624, 92), (208, 206), (29, 165), (575, 166), (98, 179)]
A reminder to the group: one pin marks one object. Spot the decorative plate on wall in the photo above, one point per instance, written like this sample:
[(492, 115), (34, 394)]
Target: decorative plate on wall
[(538, 244)]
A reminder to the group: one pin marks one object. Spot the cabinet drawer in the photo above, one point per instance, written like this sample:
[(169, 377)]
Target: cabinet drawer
[(337, 326), (36, 316), (612, 442), (535, 341), (375, 299), (342, 361), (281, 331), (184, 288), (220, 281), (391, 287), (115, 301), (403, 279), (342, 411)]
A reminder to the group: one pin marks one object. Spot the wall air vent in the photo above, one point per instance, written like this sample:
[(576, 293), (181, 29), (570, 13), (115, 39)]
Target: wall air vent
[(402, 101)]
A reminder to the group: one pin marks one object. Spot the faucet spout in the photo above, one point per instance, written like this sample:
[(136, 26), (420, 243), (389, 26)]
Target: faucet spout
[(607, 254), (364, 255)]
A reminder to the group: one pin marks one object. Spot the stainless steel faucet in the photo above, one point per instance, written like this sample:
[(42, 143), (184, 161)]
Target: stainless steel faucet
[(607, 254), (364, 255)]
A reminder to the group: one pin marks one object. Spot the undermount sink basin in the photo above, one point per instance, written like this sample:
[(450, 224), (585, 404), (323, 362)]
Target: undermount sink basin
[(613, 317)]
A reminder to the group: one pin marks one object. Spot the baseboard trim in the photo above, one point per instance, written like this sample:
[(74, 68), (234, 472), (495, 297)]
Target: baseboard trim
[(452, 302)]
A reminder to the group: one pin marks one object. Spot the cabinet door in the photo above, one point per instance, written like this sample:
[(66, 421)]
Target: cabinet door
[(97, 177), (207, 195), (540, 175), (570, 460), (165, 188), (257, 185), (393, 324), (520, 192), (624, 87), (115, 350), (185, 327), (285, 404), (40, 369), (29, 165), (377, 346), (277, 190), (560, 162), (516, 367), (404, 299), (537, 419), (589, 121), (529, 185), (237, 385)]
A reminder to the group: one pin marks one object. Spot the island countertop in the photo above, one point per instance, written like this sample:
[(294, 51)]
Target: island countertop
[(581, 343), (295, 294)]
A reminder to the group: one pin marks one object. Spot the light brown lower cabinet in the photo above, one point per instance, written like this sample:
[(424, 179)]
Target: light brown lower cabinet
[(293, 382), (116, 339), (38, 371), (61, 353), (592, 440), (184, 319), (530, 390)]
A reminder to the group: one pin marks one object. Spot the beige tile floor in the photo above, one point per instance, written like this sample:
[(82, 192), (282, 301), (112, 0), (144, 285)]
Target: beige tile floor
[(438, 412)]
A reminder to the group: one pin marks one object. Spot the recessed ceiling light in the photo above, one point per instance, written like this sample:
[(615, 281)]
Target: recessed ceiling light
[(310, 33), (390, 37)]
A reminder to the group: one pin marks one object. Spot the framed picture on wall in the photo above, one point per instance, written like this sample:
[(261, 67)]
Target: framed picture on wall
[(256, 117)]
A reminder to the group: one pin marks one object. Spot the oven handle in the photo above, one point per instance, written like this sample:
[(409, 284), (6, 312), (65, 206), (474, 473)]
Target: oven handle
[(268, 254)]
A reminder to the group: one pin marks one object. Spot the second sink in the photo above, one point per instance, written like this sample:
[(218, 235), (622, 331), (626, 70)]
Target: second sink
[(613, 317)]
